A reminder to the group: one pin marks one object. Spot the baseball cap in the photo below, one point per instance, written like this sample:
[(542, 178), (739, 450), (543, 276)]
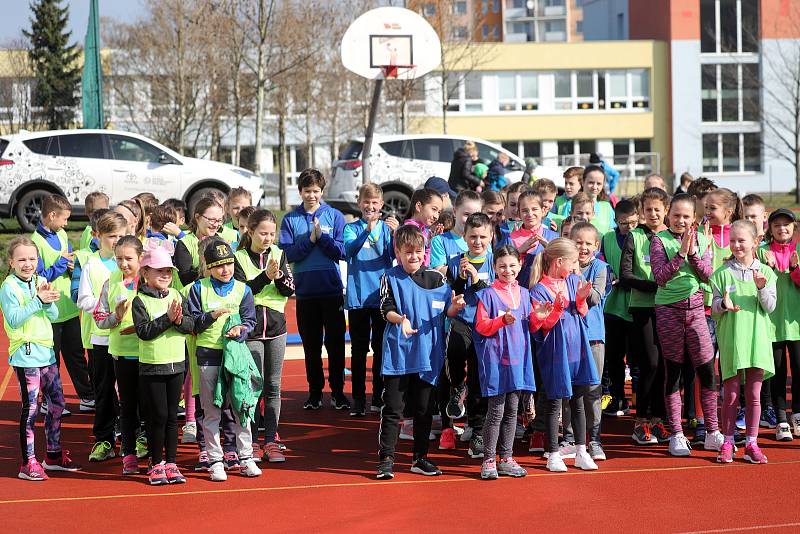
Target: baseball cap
[(217, 253), (157, 256), (782, 212), (441, 186)]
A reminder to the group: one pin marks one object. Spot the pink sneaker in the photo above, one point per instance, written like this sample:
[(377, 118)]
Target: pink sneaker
[(447, 441), (157, 475), (754, 455), (130, 465), (174, 475), (725, 455), (62, 462), (33, 470), (273, 454)]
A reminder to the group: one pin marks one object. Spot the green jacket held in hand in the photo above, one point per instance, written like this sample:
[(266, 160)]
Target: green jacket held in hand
[(239, 378)]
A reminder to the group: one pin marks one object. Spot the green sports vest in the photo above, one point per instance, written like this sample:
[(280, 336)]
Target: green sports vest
[(684, 283), (169, 347), (118, 344), (98, 275), (718, 255), (641, 269), (618, 300), (602, 219), (228, 233), (193, 246), (36, 329), (560, 206), (211, 337), (786, 316), (269, 296), (86, 238), (66, 308)]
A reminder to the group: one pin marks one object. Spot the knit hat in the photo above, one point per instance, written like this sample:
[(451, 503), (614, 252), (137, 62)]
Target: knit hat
[(218, 252), (480, 170)]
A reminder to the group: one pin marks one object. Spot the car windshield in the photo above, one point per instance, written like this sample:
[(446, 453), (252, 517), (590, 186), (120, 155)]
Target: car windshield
[(3, 145)]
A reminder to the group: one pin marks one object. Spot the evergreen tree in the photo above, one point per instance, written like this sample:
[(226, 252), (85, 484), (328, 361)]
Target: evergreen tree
[(55, 63)]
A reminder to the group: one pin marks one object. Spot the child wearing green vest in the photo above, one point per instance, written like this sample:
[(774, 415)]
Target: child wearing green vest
[(54, 266), (594, 182), (96, 200), (206, 222), (573, 178), (744, 296), (161, 318), (618, 319), (781, 254), (636, 273), (28, 305), (238, 199), (681, 262), (94, 274), (114, 314), (210, 300), (261, 265)]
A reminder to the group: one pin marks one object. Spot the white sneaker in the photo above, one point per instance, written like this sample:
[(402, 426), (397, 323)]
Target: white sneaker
[(407, 429), (782, 432), (249, 469), (459, 430), (584, 461), (43, 410), (596, 451), (217, 472), (189, 433), (796, 424), (556, 464), (466, 435), (679, 445), (86, 405), (714, 441)]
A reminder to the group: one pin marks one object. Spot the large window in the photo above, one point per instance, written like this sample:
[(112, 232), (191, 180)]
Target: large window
[(465, 91), (728, 26), (730, 92), (518, 92), (732, 152)]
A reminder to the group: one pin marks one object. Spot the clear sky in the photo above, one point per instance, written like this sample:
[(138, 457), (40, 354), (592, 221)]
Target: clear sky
[(16, 14)]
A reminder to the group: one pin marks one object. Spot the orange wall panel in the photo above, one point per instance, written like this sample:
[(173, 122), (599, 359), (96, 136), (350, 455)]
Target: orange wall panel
[(780, 19)]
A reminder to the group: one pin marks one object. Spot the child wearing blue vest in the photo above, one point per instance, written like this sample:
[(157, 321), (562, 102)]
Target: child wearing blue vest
[(56, 261), (467, 274), (261, 265), (28, 305), (161, 318), (511, 215), (369, 253), (210, 300), (505, 363), (451, 244), (414, 301), (94, 274), (311, 238), (594, 271), (563, 351), (114, 314)]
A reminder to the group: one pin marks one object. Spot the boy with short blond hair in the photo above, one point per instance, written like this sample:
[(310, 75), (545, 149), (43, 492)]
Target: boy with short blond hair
[(94, 201), (55, 264)]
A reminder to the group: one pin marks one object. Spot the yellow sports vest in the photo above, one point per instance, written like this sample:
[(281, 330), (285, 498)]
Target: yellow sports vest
[(269, 297), (118, 344), (66, 308), (211, 337), (169, 347), (37, 329)]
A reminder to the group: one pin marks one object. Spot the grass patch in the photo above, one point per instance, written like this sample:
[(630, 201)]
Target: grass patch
[(779, 200)]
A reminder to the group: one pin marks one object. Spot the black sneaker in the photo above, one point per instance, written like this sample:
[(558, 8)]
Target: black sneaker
[(385, 469), (423, 466), (314, 401), (738, 438), (699, 433), (476, 446), (359, 408), (617, 408), (339, 401), (376, 405), (455, 406)]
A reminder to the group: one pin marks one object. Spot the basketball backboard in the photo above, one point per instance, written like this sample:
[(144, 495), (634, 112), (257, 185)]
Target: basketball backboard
[(390, 37)]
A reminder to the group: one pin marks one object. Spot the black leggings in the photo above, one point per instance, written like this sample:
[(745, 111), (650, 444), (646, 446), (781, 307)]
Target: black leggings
[(127, 371), (163, 392), (778, 382), (462, 365), (644, 342), (553, 410), (105, 396), (618, 333), (705, 374)]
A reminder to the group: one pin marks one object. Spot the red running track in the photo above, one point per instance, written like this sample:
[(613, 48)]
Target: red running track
[(327, 484)]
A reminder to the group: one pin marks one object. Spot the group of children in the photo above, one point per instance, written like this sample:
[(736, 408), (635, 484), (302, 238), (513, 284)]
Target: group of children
[(489, 306), (167, 318)]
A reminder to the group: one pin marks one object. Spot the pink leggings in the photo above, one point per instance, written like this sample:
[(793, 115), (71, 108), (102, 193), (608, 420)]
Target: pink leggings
[(730, 401), (188, 398)]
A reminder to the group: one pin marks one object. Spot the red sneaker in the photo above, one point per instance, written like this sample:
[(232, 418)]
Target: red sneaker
[(130, 465), (32, 471), (447, 441), (61, 463), (273, 454), (537, 442)]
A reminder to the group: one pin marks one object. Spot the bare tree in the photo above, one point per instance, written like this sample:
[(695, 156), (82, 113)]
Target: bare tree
[(17, 87)]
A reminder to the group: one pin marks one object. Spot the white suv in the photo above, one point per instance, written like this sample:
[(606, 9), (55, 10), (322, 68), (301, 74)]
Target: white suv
[(74, 163), (401, 164)]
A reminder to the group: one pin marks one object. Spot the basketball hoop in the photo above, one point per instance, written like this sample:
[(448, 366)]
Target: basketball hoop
[(390, 72)]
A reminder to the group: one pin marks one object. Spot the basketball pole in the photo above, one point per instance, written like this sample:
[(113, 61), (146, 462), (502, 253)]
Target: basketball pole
[(373, 112)]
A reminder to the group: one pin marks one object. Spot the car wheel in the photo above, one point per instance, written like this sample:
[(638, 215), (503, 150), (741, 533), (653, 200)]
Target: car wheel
[(197, 195), (29, 209), (395, 204)]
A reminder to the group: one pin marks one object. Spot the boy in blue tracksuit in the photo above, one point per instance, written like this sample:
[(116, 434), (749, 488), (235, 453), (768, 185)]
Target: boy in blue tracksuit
[(311, 238), (369, 254)]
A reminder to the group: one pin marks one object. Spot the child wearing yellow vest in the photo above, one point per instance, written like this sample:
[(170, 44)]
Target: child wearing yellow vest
[(94, 274), (594, 181), (210, 301), (161, 318), (114, 314), (28, 305), (96, 200), (54, 266), (261, 265), (238, 199)]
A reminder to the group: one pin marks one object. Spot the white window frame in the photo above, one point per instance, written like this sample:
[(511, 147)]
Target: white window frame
[(720, 157), (517, 102)]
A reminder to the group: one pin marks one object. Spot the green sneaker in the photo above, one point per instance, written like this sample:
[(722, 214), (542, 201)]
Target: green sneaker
[(142, 451), (101, 451)]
